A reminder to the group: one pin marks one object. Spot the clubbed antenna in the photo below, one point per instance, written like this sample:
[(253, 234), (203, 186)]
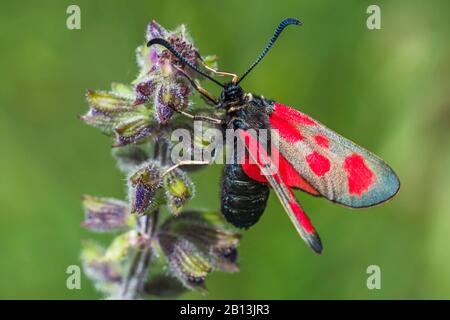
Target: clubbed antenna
[(283, 24)]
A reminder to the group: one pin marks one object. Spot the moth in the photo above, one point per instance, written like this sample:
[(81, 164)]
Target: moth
[(311, 157)]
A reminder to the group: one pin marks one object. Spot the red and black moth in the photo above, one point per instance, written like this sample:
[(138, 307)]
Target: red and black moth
[(312, 157)]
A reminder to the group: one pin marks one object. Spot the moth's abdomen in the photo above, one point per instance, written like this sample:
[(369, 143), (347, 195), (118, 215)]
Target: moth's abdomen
[(243, 199)]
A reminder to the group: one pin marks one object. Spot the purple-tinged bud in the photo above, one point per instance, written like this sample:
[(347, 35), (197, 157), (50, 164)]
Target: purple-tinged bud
[(105, 214), (225, 258), (116, 114), (200, 236), (159, 58), (168, 99), (181, 41), (144, 91), (186, 262), (155, 30), (134, 130), (143, 186)]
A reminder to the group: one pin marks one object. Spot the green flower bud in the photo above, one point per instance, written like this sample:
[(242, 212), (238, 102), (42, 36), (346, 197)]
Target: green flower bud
[(115, 114), (119, 248), (134, 129), (186, 262), (107, 110), (123, 90), (106, 275), (179, 190)]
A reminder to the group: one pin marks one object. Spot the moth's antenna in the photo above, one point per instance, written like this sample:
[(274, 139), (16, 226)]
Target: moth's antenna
[(169, 47), (283, 24)]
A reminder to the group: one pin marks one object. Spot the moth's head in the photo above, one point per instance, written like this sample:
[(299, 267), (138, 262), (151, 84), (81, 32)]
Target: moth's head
[(232, 94)]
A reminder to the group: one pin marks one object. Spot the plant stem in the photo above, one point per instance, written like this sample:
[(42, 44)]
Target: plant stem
[(143, 267), (133, 284)]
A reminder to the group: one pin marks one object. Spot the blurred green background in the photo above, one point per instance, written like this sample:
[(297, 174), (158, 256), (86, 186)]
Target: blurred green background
[(387, 89)]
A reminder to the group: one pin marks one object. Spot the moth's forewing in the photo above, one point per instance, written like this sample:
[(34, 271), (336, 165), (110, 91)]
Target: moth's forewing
[(334, 166)]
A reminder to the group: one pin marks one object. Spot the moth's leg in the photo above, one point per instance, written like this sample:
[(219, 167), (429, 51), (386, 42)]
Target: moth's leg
[(185, 163), (200, 118), (205, 93), (234, 79)]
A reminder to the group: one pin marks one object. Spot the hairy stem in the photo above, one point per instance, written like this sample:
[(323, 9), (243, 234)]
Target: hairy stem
[(137, 274), (133, 284)]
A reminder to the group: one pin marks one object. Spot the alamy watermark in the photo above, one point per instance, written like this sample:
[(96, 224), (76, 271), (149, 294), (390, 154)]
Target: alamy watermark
[(73, 21), (73, 281), (373, 22), (374, 280)]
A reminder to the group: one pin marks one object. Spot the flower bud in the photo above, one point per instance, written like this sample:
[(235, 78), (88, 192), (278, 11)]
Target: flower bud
[(209, 232), (123, 90), (106, 275), (105, 214), (186, 262), (155, 30), (115, 114), (133, 130), (195, 243), (144, 91), (181, 41), (106, 111), (143, 186), (120, 246), (179, 190), (168, 99)]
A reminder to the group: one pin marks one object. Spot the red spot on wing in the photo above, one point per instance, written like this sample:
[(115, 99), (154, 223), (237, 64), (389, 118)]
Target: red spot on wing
[(359, 176), (322, 141), (287, 130), (318, 164), (292, 115)]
